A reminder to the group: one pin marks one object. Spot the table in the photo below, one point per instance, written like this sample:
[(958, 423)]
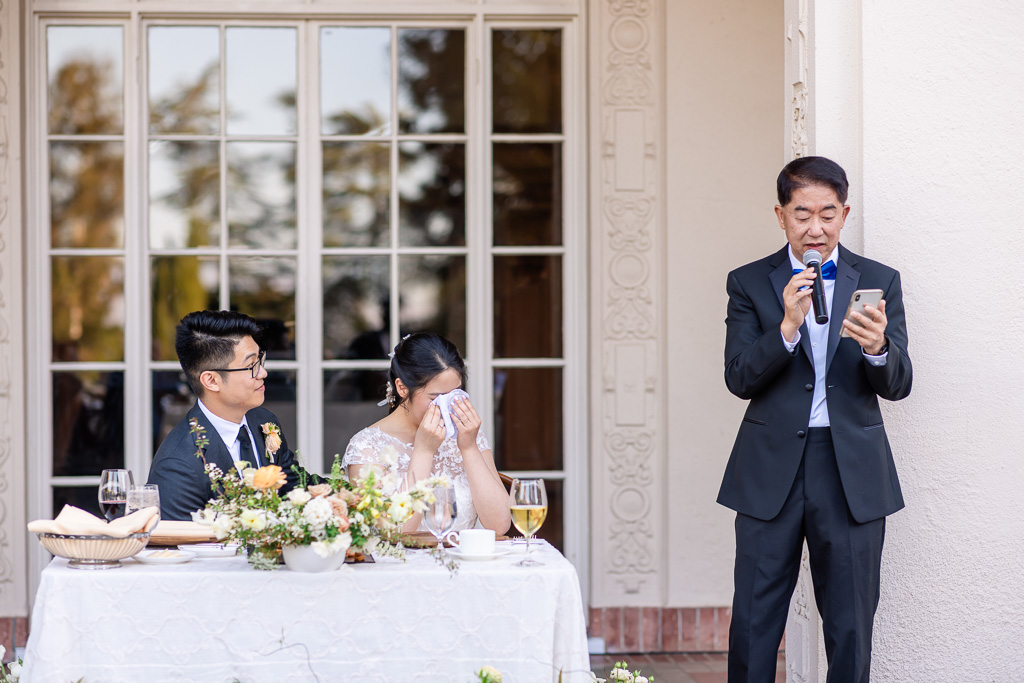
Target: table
[(215, 619)]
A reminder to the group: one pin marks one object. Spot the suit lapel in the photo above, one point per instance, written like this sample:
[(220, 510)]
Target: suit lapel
[(216, 452), (261, 442), (847, 278), (780, 277)]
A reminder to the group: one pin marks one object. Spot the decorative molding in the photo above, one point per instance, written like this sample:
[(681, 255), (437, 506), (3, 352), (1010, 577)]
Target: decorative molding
[(13, 578), (627, 420), (798, 77)]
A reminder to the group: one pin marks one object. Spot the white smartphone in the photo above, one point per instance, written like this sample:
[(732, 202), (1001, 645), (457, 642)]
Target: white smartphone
[(858, 300)]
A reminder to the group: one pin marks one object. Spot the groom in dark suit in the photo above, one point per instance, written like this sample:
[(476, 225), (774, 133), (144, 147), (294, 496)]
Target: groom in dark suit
[(811, 460), (224, 366)]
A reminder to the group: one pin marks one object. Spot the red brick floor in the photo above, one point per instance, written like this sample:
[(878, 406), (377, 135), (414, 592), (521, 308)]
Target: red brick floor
[(710, 667)]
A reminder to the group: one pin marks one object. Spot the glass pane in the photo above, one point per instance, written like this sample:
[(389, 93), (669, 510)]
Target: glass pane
[(87, 307), (181, 284), (356, 194), (261, 195), (350, 404), (281, 389), (83, 497), (355, 81), (172, 399), (527, 306), (527, 194), (431, 80), (527, 80), (553, 530), (264, 288), (88, 423), (528, 418), (184, 85), (356, 306), (432, 194), (261, 77), (86, 195), (85, 74), (432, 296), (184, 194)]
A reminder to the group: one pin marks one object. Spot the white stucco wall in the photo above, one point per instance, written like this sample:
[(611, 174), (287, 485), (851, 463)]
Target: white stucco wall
[(724, 129), (943, 172)]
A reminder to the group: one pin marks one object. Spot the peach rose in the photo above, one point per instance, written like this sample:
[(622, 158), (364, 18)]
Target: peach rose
[(317, 490), (269, 477), (339, 506)]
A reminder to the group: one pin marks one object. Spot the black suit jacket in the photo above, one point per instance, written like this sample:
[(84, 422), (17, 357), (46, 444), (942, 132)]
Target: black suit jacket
[(779, 386), (178, 471)]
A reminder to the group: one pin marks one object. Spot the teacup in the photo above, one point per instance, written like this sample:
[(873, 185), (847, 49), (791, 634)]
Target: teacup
[(473, 541)]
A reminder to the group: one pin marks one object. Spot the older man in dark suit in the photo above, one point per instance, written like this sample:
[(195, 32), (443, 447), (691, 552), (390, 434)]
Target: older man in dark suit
[(811, 460), (224, 366)]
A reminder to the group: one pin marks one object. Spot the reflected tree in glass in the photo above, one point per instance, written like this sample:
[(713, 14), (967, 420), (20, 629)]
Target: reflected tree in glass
[(262, 73), (431, 80), (87, 308), (86, 195), (184, 194), (527, 80), (85, 74), (261, 195), (355, 80), (184, 85), (88, 422), (432, 194), (432, 296), (264, 288), (356, 307), (356, 194), (178, 286)]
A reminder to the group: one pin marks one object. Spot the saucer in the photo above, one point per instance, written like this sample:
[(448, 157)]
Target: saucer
[(498, 552), (164, 556), (211, 549)]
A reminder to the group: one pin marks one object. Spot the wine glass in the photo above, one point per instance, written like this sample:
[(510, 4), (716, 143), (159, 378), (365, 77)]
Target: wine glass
[(528, 502), (440, 515), (113, 492), (147, 495)]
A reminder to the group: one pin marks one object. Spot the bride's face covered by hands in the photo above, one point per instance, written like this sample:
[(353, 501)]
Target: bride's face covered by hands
[(419, 401)]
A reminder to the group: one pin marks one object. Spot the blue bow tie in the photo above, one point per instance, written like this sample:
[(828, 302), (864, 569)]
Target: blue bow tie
[(828, 270)]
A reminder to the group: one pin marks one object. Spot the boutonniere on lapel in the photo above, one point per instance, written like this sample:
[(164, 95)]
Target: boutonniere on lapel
[(272, 440), (199, 438)]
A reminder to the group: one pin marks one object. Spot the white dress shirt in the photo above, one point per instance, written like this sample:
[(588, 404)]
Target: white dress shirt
[(228, 432), (818, 335)]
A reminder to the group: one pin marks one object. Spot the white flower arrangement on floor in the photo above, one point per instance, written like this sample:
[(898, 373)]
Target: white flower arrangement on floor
[(10, 673)]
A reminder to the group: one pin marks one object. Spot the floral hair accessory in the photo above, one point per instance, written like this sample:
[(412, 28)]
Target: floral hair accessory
[(389, 396), (273, 439)]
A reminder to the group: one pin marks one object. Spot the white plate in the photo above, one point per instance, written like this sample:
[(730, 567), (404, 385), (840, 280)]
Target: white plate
[(498, 552), (148, 557), (211, 549)]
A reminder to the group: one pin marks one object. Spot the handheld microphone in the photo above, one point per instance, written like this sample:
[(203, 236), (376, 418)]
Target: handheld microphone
[(812, 258)]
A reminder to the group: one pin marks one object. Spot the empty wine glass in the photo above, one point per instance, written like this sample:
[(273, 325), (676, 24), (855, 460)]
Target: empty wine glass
[(440, 515), (528, 503), (139, 497), (113, 492)]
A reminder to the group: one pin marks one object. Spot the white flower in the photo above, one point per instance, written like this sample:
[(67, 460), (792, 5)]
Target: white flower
[(3, 651), (254, 519), (299, 496), (222, 526), (15, 669), (339, 544), (622, 675), (388, 456), (318, 512), (204, 516), (248, 476), (401, 507), (640, 679)]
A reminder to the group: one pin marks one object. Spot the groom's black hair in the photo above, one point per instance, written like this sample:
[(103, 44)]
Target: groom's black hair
[(206, 340), (420, 358)]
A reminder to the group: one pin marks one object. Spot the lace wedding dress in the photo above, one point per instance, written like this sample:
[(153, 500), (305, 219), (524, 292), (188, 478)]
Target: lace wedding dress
[(365, 447)]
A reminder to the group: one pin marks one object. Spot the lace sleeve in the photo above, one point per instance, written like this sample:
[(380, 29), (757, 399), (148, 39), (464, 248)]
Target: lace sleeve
[(481, 441), (361, 450)]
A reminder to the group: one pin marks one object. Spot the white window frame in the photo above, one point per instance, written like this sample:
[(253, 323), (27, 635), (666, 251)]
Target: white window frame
[(478, 19)]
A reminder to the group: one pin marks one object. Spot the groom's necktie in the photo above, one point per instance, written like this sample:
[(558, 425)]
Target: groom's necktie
[(828, 270), (245, 448)]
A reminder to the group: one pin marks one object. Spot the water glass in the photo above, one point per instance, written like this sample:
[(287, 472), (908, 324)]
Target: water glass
[(147, 495)]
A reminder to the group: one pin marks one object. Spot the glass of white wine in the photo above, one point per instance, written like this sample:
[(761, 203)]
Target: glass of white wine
[(528, 502)]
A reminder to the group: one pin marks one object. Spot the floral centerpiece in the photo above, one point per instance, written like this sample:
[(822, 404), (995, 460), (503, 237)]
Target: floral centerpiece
[(330, 516)]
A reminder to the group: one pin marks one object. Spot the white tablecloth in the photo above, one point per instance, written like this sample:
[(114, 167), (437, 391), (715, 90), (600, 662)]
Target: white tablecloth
[(218, 620)]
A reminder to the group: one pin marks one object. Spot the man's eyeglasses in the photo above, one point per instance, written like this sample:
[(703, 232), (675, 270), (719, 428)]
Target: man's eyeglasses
[(254, 368)]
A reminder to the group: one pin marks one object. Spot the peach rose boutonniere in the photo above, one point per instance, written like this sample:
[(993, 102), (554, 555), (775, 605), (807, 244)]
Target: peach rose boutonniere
[(272, 438)]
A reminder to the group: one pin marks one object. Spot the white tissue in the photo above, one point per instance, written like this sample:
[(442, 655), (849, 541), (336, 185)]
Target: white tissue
[(444, 402)]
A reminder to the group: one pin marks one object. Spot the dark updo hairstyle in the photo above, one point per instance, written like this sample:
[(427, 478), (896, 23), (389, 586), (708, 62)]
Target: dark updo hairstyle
[(419, 358)]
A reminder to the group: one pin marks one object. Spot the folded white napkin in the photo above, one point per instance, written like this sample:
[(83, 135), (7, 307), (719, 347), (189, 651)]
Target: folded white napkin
[(74, 521), (444, 402)]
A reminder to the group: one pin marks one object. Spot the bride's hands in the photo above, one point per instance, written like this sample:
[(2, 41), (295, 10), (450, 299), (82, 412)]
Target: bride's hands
[(468, 422), (430, 433)]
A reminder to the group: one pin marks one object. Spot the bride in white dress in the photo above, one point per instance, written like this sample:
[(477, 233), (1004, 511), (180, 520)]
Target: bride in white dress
[(423, 367)]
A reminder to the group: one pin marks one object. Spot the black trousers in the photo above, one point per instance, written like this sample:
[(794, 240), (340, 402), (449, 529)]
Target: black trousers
[(845, 560)]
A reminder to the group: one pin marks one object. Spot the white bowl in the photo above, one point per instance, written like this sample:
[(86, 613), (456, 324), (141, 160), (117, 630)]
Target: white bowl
[(94, 552)]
